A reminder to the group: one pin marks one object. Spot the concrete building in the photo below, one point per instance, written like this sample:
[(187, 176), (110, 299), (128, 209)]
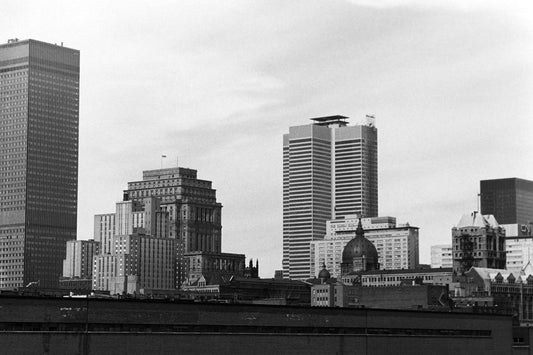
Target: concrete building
[(478, 241), (195, 216), (510, 200), (79, 258), (441, 256), (137, 253), (39, 113), (329, 171), (78, 265), (137, 263), (518, 246), (396, 244)]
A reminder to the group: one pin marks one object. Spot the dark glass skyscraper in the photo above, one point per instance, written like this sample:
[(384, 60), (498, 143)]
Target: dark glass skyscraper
[(509, 200), (39, 113)]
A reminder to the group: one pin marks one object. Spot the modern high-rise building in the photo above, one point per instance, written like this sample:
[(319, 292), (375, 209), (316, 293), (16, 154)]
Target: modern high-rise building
[(509, 200), (518, 246), (39, 113), (330, 170)]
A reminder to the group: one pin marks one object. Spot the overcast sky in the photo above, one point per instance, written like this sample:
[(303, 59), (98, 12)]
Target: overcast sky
[(217, 83)]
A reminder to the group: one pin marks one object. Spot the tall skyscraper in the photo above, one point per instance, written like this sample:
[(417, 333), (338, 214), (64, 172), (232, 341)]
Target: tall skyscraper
[(509, 200), (39, 112), (329, 171)]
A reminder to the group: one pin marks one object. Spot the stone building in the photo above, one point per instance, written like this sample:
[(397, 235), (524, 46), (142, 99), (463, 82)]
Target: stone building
[(478, 241)]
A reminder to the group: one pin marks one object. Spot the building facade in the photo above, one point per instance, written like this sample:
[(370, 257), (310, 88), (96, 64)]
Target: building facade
[(478, 240), (79, 259), (518, 246), (396, 244), (195, 216), (329, 171), (137, 262), (137, 252), (441, 256), (39, 115), (383, 278), (509, 200), (212, 265)]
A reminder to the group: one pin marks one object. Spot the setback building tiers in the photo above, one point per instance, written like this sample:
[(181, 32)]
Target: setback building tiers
[(194, 213)]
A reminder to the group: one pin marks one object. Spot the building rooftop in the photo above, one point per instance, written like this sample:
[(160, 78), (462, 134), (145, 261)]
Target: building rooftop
[(406, 271), (327, 120), (476, 219)]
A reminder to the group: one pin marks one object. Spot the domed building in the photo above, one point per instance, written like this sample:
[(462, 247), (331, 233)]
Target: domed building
[(359, 254), (324, 274)]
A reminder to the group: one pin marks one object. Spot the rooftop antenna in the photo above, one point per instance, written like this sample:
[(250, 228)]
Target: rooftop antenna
[(162, 156)]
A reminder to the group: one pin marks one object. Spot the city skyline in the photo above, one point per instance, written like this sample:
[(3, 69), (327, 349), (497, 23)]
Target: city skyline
[(450, 87)]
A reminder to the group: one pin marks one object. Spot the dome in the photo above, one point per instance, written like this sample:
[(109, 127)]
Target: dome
[(324, 274), (358, 247)]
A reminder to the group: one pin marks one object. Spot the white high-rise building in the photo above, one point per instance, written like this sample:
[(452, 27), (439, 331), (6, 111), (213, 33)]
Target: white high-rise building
[(329, 171), (396, 244), (518, 246), (441, 256)]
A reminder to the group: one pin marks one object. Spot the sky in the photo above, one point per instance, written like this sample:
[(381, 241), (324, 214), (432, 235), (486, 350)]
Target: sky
[(214, 86)]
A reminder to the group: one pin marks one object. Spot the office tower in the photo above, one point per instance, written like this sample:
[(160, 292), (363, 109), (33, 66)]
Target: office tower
[(441, 256), (396, 244), (194, 213), (39, 103), (478, 241), (329, 171), (509, 200)]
